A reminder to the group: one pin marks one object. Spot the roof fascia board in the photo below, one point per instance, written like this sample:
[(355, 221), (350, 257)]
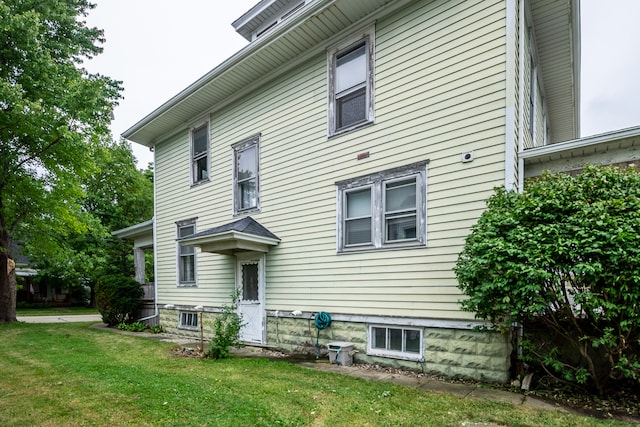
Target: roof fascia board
[(229, 63), (248, 51), (580, 143), (134, 230), (226, 236)]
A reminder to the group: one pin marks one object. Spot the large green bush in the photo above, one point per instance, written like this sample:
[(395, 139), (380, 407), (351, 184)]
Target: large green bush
[(118, 299), (563, 260)]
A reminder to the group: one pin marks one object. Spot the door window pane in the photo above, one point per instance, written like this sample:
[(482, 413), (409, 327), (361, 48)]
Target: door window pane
[(250, 282)]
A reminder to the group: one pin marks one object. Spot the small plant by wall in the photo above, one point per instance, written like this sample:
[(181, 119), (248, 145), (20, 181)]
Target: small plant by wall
[(226, 330)]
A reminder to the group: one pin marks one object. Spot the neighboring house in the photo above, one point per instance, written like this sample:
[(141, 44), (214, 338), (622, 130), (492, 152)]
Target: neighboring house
[(337, 162)]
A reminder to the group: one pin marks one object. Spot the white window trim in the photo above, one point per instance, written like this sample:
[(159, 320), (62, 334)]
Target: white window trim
[(180, 284), (254, 140), (190, 314), (368, 36), (192, 158), (393, 353), (376, 181)]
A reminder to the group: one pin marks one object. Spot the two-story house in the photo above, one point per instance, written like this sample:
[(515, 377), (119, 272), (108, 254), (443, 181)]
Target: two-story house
[(337, 162)]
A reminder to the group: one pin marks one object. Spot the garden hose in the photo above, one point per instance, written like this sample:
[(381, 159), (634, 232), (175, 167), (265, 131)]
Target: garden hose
[(322, 321)]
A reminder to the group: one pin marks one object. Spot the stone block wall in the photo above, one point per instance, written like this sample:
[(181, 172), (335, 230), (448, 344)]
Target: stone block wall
[(483, 356), (463, 353)]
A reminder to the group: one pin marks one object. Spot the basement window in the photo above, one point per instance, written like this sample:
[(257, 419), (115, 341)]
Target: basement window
[(396, 342), (188, 320)]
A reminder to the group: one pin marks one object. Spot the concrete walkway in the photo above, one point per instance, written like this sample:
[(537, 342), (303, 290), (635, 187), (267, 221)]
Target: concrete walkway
[(412, 379), (75, 318)]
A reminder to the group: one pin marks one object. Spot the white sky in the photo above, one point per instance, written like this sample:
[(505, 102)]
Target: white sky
[(159, 47)]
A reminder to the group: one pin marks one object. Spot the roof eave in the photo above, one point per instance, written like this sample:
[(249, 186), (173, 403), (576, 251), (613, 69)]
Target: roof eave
[(230, 242), (134, 132)]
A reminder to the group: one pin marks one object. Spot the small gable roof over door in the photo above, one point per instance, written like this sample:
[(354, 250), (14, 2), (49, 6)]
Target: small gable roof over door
[(243, 235)]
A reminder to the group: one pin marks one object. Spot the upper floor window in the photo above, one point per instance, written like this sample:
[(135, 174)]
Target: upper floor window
[(200, 154), (351, 86), (186, 254), (246, 193), (383, 210)]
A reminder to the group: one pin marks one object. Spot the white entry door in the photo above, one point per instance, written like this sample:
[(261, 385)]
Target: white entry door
[(250, 282)]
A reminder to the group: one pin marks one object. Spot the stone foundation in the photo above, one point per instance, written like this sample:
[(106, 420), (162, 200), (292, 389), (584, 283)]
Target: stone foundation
[(457, 353), (464, 353)]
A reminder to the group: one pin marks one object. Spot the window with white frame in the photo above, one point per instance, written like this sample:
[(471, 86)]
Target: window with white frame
[(383, 210), (246, 180), (395, 341), (188, 320), (186, 254), (200, 154), (351, 85)]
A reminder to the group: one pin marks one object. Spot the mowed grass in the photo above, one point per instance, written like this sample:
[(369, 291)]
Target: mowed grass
[(74, 375)]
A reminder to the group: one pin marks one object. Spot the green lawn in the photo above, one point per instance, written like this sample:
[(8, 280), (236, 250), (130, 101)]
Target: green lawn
[(72, 375), (55, 311)]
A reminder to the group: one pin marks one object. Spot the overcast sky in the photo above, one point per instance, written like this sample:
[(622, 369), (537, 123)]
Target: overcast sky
[(159, 47)]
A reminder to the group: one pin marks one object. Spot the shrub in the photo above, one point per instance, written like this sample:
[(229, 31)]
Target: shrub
[(563, 257), (118, 299), (226, 330), (132, 327)]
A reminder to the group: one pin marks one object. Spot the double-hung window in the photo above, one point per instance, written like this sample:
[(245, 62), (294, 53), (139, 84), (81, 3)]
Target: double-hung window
[(351, 86), (383, 210), (186, 255), (246, 193), (200, 154)]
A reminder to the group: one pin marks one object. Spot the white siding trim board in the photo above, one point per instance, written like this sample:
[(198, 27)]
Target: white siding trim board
[(386, 320)]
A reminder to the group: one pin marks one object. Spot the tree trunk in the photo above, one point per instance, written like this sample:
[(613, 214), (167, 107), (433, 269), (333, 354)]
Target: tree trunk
[(7, 283)]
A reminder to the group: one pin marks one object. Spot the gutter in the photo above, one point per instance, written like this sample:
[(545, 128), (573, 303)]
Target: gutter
[(228, 64), (588, 141)]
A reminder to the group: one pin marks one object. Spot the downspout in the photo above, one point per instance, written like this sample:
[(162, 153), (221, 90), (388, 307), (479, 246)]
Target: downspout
[(521, 59), (521, 50), (510, 113)]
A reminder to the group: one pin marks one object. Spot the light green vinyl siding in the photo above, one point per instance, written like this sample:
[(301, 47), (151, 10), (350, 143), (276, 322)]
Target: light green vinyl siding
[(439, 92)]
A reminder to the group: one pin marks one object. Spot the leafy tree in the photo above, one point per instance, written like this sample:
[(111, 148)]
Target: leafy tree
[(563, 258), (51, 113), (118, 195)]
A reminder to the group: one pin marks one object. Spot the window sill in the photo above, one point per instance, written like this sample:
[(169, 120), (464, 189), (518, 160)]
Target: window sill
[(188, 328), (349, 129), (415, 357), (199, 183), (247, 212), (187, 285), (387, 247)]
